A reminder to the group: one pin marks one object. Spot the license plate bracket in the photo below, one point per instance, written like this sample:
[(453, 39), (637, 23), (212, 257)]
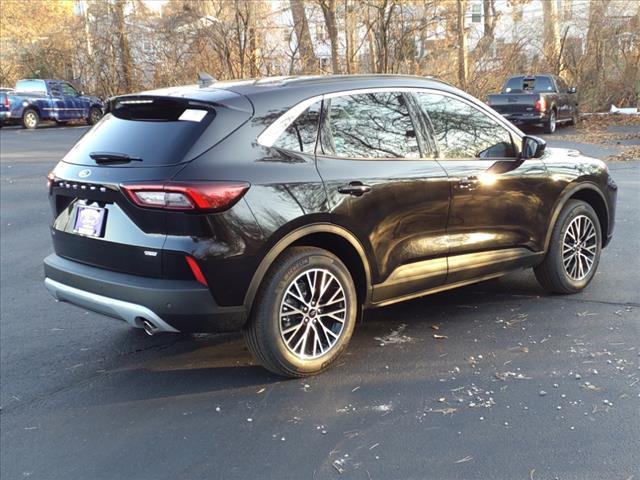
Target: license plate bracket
[(89, 220)]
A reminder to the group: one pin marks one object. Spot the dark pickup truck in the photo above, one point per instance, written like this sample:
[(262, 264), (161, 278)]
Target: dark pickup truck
[(536, 99)]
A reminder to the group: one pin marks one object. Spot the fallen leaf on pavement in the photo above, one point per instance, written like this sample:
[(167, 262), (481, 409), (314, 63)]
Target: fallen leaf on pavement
[(465, 459)]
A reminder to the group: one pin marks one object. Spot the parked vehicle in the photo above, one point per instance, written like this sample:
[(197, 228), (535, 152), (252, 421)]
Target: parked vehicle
[(35, 100), (537, 99), (283, 207), (5, 106)]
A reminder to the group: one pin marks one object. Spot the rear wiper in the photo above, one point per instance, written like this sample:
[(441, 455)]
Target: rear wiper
[(112, 157)]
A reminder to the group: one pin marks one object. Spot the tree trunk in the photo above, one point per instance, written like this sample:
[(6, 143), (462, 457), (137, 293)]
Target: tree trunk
[(350, 36), (329, 12), (463, 55), (489, 18), (123, 44), (551, 36), (301, 27)]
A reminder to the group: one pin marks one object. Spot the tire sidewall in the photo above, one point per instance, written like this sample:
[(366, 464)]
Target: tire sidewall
[(573, 210), (274, 294)]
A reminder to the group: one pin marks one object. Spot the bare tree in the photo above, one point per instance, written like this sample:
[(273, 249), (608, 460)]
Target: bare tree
[(551, 36), (463, 55), (329, 13), (301, 27)]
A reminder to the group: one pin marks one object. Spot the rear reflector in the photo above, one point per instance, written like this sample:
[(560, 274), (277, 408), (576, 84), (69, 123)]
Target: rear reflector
[(195, 269), (187, 196)]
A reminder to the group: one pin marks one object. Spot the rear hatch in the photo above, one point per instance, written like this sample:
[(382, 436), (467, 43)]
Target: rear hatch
[(509, 103), (142, 139)]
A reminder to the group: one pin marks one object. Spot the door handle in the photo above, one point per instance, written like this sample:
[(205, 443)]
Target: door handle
[(469, 183), (356, 189)]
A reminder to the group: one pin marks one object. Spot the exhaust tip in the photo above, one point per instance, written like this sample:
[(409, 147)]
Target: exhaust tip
[(149, 327)]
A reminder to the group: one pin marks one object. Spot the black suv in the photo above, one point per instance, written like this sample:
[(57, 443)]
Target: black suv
[(282, 207)]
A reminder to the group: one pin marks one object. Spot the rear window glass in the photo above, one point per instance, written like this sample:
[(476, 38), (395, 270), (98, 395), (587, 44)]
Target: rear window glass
[(528, 84), (159, 133), (31, 86)]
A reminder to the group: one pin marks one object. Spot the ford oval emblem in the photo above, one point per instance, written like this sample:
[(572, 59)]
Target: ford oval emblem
[(84, 173)]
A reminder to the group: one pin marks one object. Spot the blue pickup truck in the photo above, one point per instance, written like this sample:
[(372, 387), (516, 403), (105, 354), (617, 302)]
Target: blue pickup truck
[(35, 100)]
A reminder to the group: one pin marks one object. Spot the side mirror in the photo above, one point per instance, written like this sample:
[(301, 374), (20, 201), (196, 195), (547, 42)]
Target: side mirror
[(532, 147), (80, 93), (572, 90)]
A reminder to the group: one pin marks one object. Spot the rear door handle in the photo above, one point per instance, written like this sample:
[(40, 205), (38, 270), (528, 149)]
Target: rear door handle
[(468, 183), (356, 189)]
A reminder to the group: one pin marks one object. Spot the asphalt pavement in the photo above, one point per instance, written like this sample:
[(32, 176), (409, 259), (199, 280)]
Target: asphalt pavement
[(493, 381)]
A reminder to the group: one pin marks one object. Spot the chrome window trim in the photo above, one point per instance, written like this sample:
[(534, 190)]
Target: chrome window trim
[(271, 134)]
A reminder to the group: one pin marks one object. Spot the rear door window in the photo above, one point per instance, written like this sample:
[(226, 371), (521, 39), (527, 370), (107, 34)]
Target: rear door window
[(369, 125)]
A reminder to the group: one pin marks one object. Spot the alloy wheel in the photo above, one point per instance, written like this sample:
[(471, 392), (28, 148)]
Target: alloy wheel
[(30, 119), (312, 313), (579, 247)]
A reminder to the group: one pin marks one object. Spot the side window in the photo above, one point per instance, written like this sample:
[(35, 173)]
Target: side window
[(463, 131), (301, 135), (69, 90), (56, 91), (370, 125)]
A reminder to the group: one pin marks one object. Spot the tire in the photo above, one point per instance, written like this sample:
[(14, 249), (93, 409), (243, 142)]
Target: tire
[(562, 274), (30, 119), (95, 114), (274, 333), (550, 125)]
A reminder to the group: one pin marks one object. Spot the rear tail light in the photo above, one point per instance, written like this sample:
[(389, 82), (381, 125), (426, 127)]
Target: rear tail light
[(7, 102), (187, 196), (50, 178), (541, 105)]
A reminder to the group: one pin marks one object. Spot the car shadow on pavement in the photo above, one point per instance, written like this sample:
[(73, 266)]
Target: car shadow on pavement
[(176, 365)]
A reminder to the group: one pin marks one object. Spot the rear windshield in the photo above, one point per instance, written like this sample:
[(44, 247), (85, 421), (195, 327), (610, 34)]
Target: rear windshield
[(31, 86), (154, 132), (538, 84)]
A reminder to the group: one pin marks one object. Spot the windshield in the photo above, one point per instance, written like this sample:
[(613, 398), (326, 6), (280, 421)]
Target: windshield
[(31, 86), (538, 84)]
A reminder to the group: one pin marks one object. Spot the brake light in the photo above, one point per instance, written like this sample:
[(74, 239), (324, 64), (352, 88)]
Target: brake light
[(187, 196), (541, 105), (195, 269), (7, 102)]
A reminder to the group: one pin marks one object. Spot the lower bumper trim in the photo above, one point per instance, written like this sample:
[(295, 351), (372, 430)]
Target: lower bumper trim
[(131, 313)]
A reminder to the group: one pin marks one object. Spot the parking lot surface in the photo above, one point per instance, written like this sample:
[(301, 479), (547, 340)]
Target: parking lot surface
[(493, 381)]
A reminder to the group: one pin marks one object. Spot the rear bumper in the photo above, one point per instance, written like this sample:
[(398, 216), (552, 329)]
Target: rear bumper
[(170, 305), (4, 116), (526, 118)]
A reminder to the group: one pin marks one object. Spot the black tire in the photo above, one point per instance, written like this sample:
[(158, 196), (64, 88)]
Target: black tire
[(550, 125), (95, 114), (264, 331), (30, 119), (552, 273)]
